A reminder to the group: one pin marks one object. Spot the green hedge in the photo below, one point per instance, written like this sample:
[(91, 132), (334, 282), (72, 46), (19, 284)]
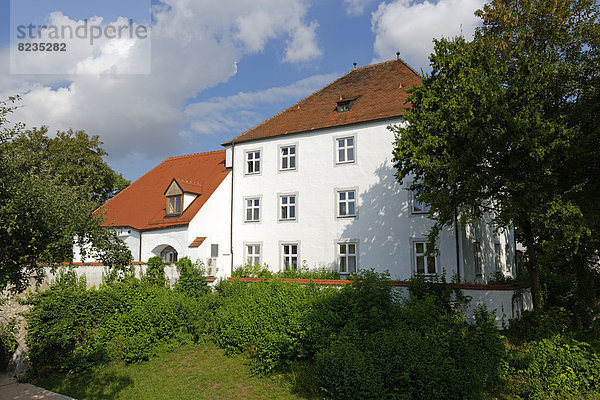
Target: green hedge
[(71, 328)]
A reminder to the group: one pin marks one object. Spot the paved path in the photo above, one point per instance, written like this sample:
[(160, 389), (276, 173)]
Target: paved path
[(10, 389)]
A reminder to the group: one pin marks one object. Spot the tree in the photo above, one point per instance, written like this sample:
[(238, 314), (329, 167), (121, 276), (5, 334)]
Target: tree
[(508, 124), (75, 158), (49, 190)]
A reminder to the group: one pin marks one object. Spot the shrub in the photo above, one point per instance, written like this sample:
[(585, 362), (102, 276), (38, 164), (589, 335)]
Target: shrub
[(191, 279), (554, 368), (73, 329), (541, 324), (427, 358), (266, 318), (155, 271)]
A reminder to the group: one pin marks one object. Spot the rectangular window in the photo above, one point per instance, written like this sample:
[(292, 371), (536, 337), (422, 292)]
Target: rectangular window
[(287, 206), (253, 162), (290, 256), (498, 257), (425, 262), (288, 158), (416, 206), (214, 250), (477, 259), (252, 210), (253, 254), (345, 150), (347, 257), (174, 205), (346, 200)]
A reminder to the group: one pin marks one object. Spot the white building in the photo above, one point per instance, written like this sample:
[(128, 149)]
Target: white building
[(178, 209), (313, 185)]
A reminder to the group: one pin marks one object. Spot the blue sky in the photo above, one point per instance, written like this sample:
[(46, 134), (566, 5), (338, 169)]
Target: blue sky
[(217, 68)]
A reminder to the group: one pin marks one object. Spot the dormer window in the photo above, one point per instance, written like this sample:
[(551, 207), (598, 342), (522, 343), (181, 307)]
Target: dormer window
[(180, 195), (345, 103), (174, 205), (343, 106)]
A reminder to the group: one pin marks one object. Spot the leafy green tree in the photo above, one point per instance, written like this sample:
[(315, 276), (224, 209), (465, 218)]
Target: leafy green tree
[(44, 207), (508, 125), (73, 157)]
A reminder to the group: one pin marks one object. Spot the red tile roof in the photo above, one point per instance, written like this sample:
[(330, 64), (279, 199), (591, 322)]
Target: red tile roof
[(376, 92), (198, 241), (142, 204)]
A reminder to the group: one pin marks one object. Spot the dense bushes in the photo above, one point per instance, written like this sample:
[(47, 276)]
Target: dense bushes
[(360, 341), (557, 368), (267, 318), (415, 349), (365, 342), (71, 328)]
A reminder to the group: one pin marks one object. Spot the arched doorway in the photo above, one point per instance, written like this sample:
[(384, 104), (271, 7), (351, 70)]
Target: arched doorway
[(169, 254)]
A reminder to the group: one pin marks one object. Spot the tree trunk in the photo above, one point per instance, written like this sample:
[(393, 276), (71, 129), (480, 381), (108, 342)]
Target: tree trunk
[(533, 269)]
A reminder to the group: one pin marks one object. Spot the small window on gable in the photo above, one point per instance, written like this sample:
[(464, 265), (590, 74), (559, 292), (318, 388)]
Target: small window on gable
[(174, 204)]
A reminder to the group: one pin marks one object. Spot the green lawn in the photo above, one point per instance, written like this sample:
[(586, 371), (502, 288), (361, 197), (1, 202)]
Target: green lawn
[(190, 372)]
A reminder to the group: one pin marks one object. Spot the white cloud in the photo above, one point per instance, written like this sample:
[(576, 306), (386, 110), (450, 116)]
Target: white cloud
[(357, 7), (410, 27), (195, 45), (238, 112), (303, 45)]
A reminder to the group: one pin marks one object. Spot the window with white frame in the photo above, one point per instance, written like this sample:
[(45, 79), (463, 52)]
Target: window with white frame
[(478, 259), (498, 257), (418, 207), (253, 162), (345, 150), (253, 254), (347, 257), (425, 262), (252, 206), (346, 203), (288, 158), (287, 207), (289, 252)]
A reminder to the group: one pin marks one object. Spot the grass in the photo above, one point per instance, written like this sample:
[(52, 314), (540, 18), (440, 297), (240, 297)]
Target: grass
[(189, 372)]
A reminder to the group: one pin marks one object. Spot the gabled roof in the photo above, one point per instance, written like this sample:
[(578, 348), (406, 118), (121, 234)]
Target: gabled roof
[(376, 92), (142, 204)]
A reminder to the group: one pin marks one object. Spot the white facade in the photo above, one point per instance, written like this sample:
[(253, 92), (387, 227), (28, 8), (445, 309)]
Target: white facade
[(385, 229), (211, 222)]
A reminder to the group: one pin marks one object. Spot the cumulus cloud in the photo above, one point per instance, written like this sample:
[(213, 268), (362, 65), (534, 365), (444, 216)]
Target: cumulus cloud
[(238, 112), (195, 45), (410, 27)]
